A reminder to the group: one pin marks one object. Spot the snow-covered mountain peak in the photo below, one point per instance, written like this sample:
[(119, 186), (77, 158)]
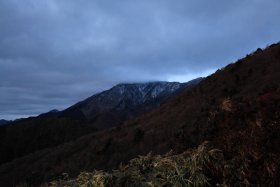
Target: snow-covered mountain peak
[(128, 99)]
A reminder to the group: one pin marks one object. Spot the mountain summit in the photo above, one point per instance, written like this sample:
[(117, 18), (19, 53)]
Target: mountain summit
[(125, 101)]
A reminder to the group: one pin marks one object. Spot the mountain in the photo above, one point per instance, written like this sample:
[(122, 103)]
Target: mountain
[(124, 101), (101, 111), (236, 110), (51, 113)]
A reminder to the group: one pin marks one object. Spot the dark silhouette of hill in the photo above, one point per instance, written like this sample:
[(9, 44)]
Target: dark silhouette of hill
[(236, 109), (101, 111), (4, 122), (28, 135)]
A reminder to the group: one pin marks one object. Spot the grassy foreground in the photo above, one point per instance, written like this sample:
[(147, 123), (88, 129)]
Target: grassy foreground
[(203, 166)]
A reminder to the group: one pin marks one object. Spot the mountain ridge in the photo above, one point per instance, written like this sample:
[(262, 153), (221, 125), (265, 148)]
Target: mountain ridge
[(126, 99)]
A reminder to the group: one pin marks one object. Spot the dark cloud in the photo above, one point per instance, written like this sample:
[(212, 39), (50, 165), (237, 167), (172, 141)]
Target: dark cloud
[(54, 53)]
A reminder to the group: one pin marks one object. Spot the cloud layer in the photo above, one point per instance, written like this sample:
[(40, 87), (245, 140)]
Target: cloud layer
[(54, 53)]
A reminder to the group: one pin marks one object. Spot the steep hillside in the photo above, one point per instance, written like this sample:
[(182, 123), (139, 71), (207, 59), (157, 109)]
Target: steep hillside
[(104, 110), (236, 110)]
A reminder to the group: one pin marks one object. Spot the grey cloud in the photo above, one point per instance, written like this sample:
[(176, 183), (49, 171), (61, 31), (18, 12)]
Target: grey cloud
[(54, 53)]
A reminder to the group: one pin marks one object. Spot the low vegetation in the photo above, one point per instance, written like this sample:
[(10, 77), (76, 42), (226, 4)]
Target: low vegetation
[(203, 166)]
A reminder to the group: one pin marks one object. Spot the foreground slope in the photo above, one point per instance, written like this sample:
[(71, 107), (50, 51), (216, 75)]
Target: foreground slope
[(236, 109)]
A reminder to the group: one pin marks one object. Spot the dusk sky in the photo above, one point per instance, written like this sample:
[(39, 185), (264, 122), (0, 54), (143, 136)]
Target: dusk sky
[(54, 53)]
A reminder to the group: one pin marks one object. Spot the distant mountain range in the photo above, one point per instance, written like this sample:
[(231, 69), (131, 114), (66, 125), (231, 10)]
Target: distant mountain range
[(101, 111), (4, 122)]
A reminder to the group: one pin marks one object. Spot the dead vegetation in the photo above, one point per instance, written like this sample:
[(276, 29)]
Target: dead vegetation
[(203, 166)]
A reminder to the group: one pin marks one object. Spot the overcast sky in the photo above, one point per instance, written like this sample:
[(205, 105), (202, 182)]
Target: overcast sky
[(54, 53)]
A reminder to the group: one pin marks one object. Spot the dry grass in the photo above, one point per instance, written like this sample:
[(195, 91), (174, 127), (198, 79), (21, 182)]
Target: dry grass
[(203, 166)]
